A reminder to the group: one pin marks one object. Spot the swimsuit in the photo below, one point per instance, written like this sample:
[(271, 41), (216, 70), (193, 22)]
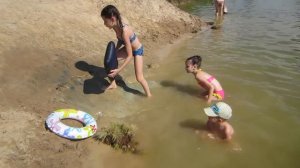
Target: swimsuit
[(219, 94), (131, 38), (139, 51)]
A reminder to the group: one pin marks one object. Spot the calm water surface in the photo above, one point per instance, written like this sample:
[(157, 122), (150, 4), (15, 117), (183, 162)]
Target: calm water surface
[(256, 57)]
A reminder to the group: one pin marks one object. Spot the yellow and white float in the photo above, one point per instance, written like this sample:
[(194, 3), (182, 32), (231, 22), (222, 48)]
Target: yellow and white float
[(55, 125)]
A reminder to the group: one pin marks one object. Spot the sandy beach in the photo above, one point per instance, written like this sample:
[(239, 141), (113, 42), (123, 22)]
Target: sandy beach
[(42, 41)]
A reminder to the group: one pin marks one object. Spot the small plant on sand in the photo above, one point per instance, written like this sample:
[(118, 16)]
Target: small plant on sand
[(119, 136)]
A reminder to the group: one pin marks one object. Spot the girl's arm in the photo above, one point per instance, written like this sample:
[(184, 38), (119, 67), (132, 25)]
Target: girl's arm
[(211, 92), (128, 47), (118, 45), (210, 88)]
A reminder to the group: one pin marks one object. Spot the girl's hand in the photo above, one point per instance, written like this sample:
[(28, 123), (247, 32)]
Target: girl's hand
[(113, 73), (209, 101)]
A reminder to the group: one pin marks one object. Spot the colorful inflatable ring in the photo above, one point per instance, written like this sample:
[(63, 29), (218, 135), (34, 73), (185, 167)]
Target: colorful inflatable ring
[(55, 125)]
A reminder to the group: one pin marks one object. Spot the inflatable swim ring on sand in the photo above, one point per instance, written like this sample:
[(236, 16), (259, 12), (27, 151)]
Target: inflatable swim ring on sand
[(110, 58), (55, 125)]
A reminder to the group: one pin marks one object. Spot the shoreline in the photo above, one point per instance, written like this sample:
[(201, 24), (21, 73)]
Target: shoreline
[(108, 154)]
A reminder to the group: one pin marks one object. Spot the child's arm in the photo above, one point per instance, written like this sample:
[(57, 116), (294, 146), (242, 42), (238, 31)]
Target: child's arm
[(209, 86), (228, 132), (114, 72), (209, 126), (119, 44)]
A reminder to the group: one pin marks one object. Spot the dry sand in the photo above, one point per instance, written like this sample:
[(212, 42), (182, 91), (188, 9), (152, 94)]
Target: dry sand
[(41, 41)]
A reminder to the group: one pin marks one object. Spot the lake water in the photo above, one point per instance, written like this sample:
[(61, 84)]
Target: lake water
[(256, 57)]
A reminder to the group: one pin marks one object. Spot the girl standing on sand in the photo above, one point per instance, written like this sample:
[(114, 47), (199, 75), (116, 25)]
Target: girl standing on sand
[(207, 81), (132, 47)]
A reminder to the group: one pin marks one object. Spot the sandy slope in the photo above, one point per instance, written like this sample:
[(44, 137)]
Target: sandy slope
[(41, 40)]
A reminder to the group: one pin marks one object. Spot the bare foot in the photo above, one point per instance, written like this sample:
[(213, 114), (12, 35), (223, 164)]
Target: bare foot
[(111, 86)]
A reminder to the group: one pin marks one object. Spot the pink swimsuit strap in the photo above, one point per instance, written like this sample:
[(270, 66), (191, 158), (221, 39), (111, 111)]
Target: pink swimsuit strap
[(210, 79)]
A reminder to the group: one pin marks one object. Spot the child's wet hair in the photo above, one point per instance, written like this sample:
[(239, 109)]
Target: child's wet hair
[(194, 60), (109, 11)]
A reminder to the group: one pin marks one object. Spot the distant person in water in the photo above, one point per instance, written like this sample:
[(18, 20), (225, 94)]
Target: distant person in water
[(217, 123), (214, 90), (220, 7), (128, 46)]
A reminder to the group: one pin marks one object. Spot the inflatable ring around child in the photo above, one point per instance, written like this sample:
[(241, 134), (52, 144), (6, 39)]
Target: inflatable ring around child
[(55, 125)]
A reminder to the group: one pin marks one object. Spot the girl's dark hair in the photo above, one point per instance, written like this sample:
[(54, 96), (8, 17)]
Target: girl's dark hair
[(109, 11), (195, 60)]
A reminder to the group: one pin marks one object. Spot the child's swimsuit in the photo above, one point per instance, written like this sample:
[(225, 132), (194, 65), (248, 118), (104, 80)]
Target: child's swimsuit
[(219, 94), (131, 38), (139, 51)]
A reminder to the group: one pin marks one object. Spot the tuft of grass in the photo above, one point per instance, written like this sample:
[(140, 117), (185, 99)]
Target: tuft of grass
[(119, 136)]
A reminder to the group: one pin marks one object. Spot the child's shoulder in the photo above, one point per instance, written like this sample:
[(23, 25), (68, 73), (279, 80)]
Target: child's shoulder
[(227, 126), (202, 75), (126, 28)]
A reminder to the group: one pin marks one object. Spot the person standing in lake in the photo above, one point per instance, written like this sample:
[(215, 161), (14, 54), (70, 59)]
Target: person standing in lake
[(220, 7)]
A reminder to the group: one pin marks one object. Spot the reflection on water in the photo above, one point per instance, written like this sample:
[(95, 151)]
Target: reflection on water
[(255, 56)]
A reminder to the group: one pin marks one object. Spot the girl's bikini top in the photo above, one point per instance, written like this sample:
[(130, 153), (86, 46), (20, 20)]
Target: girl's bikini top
[(131, 38), (210, 79)]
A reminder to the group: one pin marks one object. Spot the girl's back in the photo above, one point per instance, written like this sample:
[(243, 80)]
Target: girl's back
[(211, 79)]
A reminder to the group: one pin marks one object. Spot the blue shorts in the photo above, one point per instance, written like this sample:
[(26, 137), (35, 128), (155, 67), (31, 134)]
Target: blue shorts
[(139, 51)]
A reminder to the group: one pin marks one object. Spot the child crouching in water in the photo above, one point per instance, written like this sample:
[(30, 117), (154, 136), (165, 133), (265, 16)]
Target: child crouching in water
[(218, 114), (207, 81)]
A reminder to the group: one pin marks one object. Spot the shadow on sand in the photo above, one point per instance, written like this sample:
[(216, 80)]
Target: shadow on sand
[(191, 90), (97, 84)]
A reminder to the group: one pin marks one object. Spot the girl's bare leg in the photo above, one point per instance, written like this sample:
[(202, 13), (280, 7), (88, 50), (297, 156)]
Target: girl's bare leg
[(219, 8), (216, 7), (112, 85), (121, 54), (138, 65)]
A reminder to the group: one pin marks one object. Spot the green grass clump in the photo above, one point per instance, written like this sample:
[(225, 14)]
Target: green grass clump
[(119, 136)]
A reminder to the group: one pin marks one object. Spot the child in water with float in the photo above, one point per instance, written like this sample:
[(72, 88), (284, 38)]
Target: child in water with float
[(214, 90), (132, 47)]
